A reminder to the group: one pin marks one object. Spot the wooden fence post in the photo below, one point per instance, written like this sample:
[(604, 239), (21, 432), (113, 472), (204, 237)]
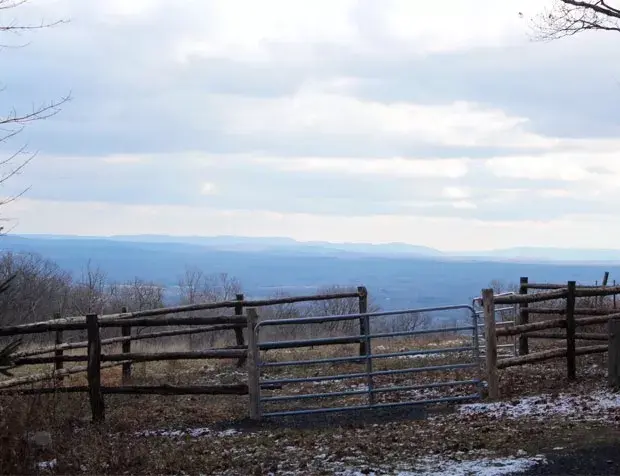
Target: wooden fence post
[(58, 364), (252, 365), (239, 330), (126, 332), (488, 303), (523, 317), (364, 321), (613, 354), (94, 368), (601, 299), (570, 331), (614, 296)]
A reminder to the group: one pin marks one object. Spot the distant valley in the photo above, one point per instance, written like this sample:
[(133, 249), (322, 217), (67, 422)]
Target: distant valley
[(397, 275)]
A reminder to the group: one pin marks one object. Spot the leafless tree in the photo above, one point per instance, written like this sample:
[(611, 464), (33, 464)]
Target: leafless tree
[(135, 295), (196, 286), (404, 322), (500, 286), (570, 17), (286, 310), (337, 307), (88, 293), (13, 121), (38, 290)]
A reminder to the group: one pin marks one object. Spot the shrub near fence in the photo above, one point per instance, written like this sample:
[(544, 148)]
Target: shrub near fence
[(564, 318)]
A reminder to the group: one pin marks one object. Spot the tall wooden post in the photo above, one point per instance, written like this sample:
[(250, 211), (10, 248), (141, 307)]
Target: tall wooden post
[(613, 355), (364, 321), (58, 353), (94, 368), (571, 369), (601, 299), (488, 303), (126, 332), (239, 330), (523, 317), (253, 361)]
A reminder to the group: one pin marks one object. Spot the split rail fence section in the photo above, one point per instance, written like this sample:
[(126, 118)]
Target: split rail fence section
[(96, 360), (568, 318)]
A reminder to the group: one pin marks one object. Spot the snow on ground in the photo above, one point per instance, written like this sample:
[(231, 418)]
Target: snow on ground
[(47, 465), (436, 466), (593, 406), (191, 432)]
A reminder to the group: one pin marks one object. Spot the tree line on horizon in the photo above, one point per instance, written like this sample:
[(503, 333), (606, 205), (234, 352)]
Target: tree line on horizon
[(41, 290)]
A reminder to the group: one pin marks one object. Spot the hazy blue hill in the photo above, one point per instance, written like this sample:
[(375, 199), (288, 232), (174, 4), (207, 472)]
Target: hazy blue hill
[(396, 280), (556, 254)]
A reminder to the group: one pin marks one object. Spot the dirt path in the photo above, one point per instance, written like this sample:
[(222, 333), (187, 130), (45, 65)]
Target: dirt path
[(595, 460)]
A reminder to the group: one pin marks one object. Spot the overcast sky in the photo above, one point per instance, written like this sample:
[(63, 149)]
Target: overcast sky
[(433, 123)]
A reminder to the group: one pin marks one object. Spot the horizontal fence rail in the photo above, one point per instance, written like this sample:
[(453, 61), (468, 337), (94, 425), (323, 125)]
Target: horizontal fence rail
[(55, 324), (131, 338), (567, 321), (531, 298), (233, 389), (96, 360)]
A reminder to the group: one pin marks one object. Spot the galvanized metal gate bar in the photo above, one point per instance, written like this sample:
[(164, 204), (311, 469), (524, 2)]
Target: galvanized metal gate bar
[(368, 358), (509, 349)]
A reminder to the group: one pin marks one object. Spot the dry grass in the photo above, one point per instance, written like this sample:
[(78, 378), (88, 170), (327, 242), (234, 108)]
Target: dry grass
[(113, 447)]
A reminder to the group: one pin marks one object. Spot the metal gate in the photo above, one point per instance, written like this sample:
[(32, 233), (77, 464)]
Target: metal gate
[(504, 316), (459, 357)]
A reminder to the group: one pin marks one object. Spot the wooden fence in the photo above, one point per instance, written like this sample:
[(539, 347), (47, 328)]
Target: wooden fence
[(567, 318), (96, 359)]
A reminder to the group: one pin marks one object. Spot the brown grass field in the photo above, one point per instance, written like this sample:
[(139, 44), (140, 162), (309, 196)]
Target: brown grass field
[(216, 437)]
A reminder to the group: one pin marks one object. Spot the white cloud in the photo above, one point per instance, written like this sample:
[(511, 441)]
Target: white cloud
[(454, 25), (307, 106), (383, 168), (123, 8), (316, 113), (456, 192), (208, 188), (271, 30), (464, 205), (599, 172), (84, 218), (248, 30), (122, 159)]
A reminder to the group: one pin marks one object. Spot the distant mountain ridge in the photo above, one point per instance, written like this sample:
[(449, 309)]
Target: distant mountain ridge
[(397, 275), (282, 244)]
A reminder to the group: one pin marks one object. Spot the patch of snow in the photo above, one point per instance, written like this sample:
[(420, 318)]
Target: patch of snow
[(50, 465), (593, 406), (434, 466), (191, 432), (424, 356)]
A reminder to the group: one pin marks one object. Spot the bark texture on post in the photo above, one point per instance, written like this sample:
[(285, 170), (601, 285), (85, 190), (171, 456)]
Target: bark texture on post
[(571, 367), (58, 364), (488, 304), (239, 330), (252, 365), (94, 368), (523, 317), (364, 321), (613, 365), (126, 332)]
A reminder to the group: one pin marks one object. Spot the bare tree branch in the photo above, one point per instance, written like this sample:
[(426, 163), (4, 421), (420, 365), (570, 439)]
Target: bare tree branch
[(13, 122), (570, 17)]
